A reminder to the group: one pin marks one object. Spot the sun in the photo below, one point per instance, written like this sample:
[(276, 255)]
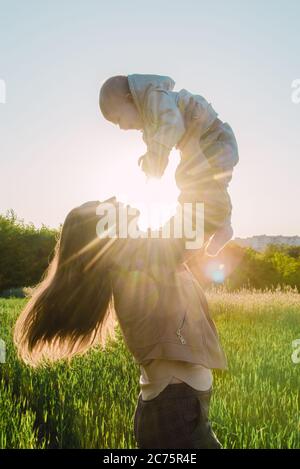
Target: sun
[(156, 199), (158, 203)]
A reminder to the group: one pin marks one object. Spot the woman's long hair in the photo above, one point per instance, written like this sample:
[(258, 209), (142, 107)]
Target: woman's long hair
[(71, 308)]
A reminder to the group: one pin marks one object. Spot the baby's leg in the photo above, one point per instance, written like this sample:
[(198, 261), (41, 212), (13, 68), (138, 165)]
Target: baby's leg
[(204, 187), (203, 175), (220, 203), (222, 155)]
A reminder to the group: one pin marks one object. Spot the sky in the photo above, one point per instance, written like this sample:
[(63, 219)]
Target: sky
[(56, 149)]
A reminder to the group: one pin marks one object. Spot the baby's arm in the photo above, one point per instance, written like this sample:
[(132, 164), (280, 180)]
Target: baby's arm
[(169, 124)]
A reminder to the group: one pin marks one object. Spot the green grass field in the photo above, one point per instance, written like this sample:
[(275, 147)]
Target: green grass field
[(90, 404)]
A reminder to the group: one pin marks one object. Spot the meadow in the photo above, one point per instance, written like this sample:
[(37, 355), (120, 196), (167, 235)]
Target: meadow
[(90, 403)]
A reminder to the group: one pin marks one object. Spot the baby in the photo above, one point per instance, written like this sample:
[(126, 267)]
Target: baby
[(208, 146)]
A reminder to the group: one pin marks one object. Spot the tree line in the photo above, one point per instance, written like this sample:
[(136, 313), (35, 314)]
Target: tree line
[(25, 253)]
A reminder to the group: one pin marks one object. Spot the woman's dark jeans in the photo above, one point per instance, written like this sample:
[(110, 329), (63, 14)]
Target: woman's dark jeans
[(176, 418)]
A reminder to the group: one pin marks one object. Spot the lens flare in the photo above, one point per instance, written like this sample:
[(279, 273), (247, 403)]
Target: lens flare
[(215, 271)]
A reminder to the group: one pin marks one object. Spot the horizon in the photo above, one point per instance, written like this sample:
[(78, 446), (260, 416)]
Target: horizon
[(20, 219), (57, 151)]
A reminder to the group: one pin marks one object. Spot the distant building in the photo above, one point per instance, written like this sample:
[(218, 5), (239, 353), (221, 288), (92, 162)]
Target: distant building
[(260, 242)]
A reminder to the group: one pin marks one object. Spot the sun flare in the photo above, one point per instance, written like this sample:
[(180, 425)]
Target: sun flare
[(157, 203), (156, 199)]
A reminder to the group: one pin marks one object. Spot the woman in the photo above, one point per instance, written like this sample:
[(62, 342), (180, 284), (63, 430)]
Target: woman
[(162, 313)]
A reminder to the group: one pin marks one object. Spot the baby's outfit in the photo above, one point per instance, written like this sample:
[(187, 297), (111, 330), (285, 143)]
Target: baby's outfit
[(207, 155)]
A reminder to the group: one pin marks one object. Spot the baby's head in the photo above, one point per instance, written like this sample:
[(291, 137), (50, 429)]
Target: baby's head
[(117, 105)]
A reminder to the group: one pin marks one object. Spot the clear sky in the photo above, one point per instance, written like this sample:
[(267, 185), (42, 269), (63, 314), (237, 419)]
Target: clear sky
[(57, 151)]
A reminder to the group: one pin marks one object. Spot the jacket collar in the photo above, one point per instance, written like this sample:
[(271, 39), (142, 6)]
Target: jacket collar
[(140, 85)]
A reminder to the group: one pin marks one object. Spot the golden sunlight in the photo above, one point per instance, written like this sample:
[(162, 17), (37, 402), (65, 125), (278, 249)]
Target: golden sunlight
[(156, 199), (157, 203)]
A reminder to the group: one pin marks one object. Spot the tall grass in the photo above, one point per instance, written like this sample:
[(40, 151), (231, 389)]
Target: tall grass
[(90, 403)]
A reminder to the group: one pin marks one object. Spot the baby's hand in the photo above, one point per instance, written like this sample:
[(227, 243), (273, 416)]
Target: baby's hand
[(153, 165)]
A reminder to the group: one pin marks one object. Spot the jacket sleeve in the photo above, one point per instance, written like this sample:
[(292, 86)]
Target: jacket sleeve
[(167, 119)]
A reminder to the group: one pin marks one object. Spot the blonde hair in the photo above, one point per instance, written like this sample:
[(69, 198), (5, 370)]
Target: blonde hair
[(113, 91)]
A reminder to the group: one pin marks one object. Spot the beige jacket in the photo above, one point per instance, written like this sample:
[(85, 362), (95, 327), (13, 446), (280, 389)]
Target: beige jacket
[(163, 313), (162, 111)]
